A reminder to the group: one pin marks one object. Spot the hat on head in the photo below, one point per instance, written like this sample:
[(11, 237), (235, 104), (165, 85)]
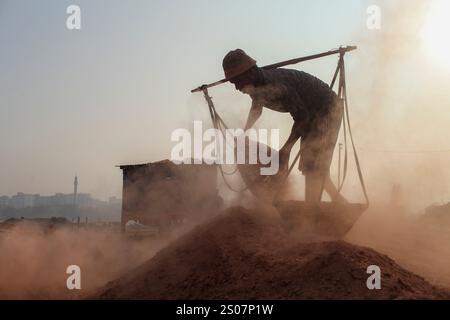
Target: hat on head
[(237, 62)]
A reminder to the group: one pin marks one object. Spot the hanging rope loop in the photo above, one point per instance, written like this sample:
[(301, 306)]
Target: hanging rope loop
[(220, 126)]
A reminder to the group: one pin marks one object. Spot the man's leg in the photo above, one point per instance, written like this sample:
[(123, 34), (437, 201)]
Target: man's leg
[(313, 186), (319, 153), (316, 182)]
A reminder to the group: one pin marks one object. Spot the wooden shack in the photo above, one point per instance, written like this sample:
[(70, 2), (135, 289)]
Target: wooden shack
[(161, 194)]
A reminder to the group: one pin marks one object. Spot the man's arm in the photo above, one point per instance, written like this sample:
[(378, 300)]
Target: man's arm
[(285, 151), (254, 114)]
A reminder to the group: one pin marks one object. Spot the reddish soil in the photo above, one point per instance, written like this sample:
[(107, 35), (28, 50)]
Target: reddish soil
[(245, 255)]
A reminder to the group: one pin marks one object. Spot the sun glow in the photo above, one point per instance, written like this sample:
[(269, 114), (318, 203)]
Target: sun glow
[(436, 32)]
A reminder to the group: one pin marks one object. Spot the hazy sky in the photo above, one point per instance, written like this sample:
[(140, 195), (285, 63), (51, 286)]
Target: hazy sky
[(111, 93)]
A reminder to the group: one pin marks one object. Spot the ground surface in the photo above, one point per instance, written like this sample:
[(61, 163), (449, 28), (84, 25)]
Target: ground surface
[(243, 254)]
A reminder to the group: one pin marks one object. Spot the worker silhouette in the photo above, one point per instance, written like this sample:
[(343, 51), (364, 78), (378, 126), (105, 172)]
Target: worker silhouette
[(316, 109)]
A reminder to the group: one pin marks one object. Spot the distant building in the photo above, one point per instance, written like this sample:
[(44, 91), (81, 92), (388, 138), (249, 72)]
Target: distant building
[(43, 201), (85, 200), (22, 200), (438, 214), (61, 199), (4, 201), (114, 201), (162, 193)]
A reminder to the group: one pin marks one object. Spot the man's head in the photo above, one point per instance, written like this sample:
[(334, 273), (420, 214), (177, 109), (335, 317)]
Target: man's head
[(241, 70)]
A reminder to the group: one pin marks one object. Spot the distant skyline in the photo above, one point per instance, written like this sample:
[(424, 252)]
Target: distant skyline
[(84, 101), (68, 192)]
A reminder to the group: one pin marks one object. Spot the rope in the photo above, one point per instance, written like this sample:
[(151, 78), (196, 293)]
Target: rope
[(341, 82), (355, 153), (220, 125)]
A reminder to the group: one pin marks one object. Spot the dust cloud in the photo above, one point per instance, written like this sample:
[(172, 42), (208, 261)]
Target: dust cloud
[(399, 109), (400, 113), (34, 261), (415, 243)]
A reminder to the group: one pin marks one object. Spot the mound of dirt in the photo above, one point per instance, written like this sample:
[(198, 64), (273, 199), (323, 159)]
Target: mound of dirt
[(245, 255)]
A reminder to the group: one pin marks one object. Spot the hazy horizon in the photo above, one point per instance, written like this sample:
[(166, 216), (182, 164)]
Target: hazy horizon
[(83, 101)]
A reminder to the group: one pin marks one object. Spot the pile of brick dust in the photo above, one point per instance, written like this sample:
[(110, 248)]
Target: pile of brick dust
[(242, 254)]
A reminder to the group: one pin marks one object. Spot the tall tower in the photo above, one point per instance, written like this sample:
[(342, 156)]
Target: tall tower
[(75, 190)]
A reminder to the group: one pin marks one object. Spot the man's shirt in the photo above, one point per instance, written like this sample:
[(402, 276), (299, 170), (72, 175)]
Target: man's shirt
[(304, 96)]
